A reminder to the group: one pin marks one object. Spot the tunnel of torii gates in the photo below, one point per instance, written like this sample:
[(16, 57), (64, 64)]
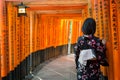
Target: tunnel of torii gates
[(27, 41)]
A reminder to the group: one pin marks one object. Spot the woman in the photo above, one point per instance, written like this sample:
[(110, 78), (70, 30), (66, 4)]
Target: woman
[(90, 71)]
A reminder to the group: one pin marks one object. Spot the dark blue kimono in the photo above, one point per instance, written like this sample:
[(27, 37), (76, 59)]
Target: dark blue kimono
[(92, 70)]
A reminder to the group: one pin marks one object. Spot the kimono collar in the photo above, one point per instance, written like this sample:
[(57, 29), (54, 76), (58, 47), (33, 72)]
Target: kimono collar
[(88, 36)]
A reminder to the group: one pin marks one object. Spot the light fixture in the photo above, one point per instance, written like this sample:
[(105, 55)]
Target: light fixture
[(21, 9)]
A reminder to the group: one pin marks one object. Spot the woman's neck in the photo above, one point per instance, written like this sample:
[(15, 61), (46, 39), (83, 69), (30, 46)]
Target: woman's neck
[(88, 36)]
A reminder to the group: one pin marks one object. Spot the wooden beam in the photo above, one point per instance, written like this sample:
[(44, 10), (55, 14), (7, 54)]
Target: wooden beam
[(64, 15), (58, 11), (56, 7)]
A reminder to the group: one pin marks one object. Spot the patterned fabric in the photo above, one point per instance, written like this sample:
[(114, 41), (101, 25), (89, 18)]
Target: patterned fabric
[(92, 70)]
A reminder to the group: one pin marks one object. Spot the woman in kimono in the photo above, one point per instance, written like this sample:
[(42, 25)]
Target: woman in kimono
[(90, 71)]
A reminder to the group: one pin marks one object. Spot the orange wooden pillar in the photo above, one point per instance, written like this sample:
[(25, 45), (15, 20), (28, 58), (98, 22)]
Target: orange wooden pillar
[(17, 49), (51, 30), (64, 26), (35, 32), (101, 27), (84, 13), (60, 33), (11, 38), (41, 27), (34, 27), (74, 32), (42, 34), (27, 44), (95, 16), (118, 14), (48, 25), (57, 42), (66, 30), (90, 8), (63, 30), (27, 35), (106, 18), (79, 28), (31, 34), (115, 38), (38, 30), (22, 40), (1, 25), (31, 40), (35, 57), (54, 37), (4, 40), (73, 37), (108, 71), (100, 18), (45, 33), (17, 40)]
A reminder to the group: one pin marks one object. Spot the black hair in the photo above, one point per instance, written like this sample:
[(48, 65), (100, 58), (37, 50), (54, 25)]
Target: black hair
[(89, 26)]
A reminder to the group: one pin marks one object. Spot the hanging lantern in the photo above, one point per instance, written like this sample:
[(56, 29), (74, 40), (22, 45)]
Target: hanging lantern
[(22, 9)]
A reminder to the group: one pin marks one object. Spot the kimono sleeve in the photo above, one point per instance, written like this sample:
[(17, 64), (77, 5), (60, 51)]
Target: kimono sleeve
[(101, 54), (76, 52)]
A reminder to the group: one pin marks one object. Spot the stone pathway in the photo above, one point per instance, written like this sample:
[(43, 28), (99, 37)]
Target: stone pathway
[(62, 68)]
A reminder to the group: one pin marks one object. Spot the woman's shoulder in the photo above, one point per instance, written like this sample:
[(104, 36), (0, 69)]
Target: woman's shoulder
[(97, 39), (80, 38)]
